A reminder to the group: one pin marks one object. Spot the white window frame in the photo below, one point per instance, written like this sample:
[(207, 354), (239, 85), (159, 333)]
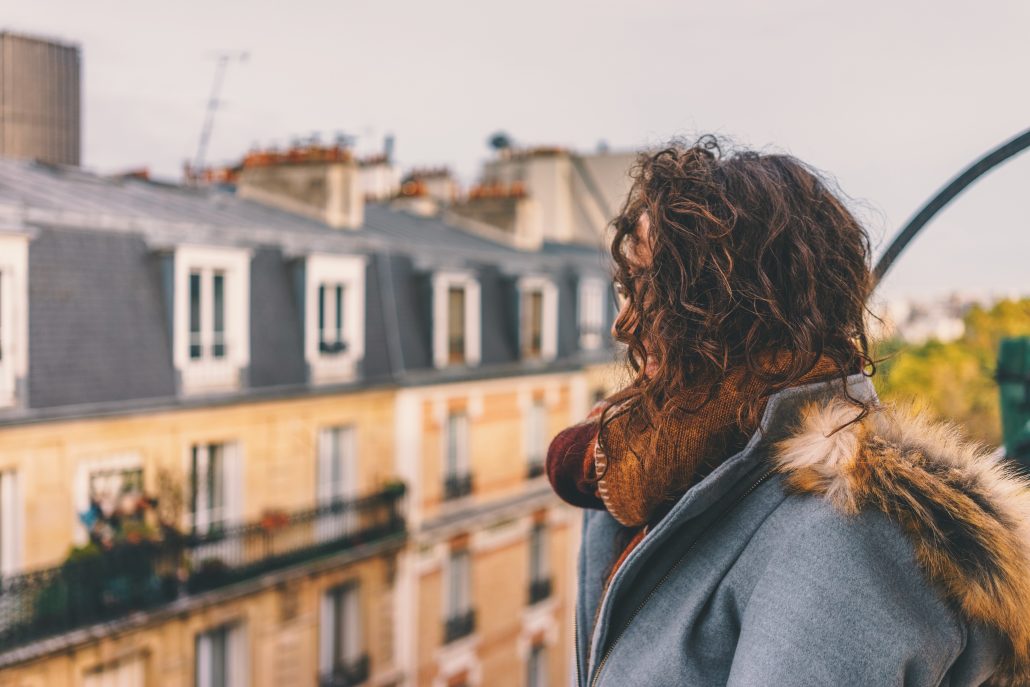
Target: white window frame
[(344, 439), (536, 432), (458, 583), (11, 527), (83, 472), (348, 271), (208, 374), (349, 594), (14, 307), (549, 326), (443, 282), (591, 302), (233, 478), (236, 656), (463, 461)]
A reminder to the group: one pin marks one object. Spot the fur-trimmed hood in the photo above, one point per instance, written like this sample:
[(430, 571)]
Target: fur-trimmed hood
[(966, 511)]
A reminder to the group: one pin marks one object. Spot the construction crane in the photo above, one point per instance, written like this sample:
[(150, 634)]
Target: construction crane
[(223, 60)]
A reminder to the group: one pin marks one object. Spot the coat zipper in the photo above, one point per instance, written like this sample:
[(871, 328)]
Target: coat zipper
[(659, 583)]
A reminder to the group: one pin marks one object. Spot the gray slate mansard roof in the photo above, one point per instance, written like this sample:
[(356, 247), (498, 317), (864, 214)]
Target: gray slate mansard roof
[(99, 335)]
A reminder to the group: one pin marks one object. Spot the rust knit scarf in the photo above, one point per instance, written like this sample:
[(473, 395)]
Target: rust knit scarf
[(641, 476)]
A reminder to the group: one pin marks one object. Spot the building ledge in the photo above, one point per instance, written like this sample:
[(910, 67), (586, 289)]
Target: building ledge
[(468, 514)]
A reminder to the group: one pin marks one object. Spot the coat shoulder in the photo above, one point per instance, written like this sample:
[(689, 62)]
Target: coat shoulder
[(964, 510)]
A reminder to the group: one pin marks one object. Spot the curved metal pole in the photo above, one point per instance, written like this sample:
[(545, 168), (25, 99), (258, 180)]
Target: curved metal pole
[(945, 196)]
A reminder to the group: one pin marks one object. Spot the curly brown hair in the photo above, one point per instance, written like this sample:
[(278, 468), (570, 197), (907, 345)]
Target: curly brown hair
[(752, 256)]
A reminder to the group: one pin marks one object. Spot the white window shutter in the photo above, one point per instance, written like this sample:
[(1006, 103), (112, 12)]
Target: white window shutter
[(550, 321), (234, 482), (10, 523), (201, 511), (323, 468), (462, 444), (352, 622), (473, 323), (349, 455), (238, 660), (326, 628), (203, 659)]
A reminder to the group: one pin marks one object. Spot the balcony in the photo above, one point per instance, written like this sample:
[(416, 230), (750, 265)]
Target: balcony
[(535, 468), (457, 486), (539, 590), (347, 674), (460, 625), (331, 347), (100, 586)]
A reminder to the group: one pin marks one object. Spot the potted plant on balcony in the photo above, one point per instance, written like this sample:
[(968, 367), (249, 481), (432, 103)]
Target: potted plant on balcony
[(393, 486)]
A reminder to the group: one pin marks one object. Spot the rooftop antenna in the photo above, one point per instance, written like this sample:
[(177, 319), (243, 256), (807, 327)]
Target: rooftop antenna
[(223, 60)]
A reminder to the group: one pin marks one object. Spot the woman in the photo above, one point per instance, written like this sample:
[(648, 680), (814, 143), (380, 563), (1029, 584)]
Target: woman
[(753, 515)]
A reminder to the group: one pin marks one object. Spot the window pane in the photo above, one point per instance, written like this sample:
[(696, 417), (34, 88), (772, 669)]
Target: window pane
[(2, 329), (458, 584), (339, 651), (195, 350), (219, 658), (194, 485), (339, 314), (533, 341), (321, 314), (218, 344), (537, 553), (456, 324), (216, 483)]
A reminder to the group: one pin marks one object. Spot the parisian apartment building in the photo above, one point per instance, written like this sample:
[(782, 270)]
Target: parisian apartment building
[(286, 425)]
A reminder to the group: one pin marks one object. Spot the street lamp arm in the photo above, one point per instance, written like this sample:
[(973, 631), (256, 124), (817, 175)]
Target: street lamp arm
[(946, 195)]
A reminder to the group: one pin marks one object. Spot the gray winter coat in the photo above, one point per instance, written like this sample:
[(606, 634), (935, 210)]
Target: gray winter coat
[(890, 553)]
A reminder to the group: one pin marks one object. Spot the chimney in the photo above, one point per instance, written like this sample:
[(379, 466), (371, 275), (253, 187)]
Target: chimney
[(320, 182)]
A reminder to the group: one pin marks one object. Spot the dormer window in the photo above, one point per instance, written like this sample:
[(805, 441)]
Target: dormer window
[(456, 319), (591, 313), (13, 316), (211, 322), (538, 318), (334, 332)]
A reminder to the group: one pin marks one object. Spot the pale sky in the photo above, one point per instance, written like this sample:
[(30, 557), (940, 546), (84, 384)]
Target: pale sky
[(891, 98)]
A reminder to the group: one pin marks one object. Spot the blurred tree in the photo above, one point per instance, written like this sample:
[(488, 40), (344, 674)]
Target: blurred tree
[(500, 140), (955, 380)]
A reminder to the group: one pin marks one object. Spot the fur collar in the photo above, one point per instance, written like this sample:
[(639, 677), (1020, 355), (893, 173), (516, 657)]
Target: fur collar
[(966, 511)]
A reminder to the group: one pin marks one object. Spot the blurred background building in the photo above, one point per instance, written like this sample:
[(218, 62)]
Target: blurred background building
[(316, 427), (40, 103), (285, 424)]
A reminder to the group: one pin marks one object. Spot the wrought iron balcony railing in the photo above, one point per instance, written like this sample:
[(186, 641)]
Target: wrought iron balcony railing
[(535, 468), (456, 486), (95, 585), (347, 674), (460, 625), (539, 590)]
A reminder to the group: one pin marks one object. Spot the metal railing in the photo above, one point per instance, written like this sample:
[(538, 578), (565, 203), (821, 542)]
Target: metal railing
[(456, 486), (459, 625), (347, 674), (535, 468), (95, 585), (539, 590)]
